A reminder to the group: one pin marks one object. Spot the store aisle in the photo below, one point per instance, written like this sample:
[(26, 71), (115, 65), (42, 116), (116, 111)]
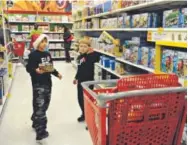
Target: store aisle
[(15, 128)]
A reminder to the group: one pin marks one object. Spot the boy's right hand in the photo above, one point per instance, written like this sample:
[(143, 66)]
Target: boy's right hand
[(75, 82), (39, 71)]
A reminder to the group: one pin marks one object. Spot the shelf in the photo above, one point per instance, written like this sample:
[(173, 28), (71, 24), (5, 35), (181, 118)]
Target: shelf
[(105, 53), (44, 32), (8, 90), (136, 65), (135, 29), (108, 70), (172, 44), (22, 22), (154, 5)]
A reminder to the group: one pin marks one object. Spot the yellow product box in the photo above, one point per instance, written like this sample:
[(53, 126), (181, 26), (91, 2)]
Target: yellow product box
[(48, 67)]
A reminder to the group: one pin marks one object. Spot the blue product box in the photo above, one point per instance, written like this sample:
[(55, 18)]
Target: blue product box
[(151, 62), (112, 65), (101, 60), (108, 6), (178, 63), (167, 61), (183, 17), (171, 18), (143, 56), (106, 62)]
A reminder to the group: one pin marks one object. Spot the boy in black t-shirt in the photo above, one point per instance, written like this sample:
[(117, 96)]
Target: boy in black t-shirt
[(41, 83), (85, 72)]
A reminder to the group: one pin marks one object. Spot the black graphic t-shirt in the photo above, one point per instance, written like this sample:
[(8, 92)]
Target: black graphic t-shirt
[(35, 59), (85, 62)]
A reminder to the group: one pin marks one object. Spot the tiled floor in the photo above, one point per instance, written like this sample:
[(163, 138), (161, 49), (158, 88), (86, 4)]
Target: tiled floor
[(15, 128)]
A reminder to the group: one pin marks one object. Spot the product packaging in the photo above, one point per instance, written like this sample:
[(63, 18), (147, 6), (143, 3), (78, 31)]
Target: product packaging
[(134, 54), (151, 62), (171, 18), (112, 64), (167, 61), (178, 63), (143, 56), (183, 17), (95, 23), (47, 67), (127, 21), (120, 22), (108, 6), (140, 20)]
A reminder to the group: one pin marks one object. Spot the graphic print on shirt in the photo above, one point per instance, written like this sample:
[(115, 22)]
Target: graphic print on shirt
[(80, 61), (45, 60)]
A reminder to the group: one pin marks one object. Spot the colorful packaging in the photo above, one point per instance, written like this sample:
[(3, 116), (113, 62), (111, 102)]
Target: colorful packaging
[(183, 17), (140, 20), (120, 22), (171, 18), (151, 61), (167, 61), (107, 6), (127, 21), (178, 63), (134, 54), (143, 56), (126, 53)]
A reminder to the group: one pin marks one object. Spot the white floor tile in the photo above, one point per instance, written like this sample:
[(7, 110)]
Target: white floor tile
[(15, 128)]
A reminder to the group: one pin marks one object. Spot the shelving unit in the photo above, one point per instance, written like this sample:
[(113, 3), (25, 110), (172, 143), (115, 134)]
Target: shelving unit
[(7, 94), (154, 35), (109, 70), (50, 25)]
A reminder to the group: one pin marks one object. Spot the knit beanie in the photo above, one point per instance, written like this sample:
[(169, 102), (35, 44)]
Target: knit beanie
[(38, 40), (85, 41)]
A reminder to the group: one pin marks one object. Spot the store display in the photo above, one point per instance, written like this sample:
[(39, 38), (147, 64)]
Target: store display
[(167, 61), (179, 67), (171, 18)]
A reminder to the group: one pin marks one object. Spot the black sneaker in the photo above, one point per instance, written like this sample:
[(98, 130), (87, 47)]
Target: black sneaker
[(42, 135), (81, 118)]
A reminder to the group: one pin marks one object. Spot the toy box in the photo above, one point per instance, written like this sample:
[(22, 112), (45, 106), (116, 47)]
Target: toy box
[(48, 67), (126, 51), (107, 6), (167, 61), (151, 61), (143, 56), (183, 17), (140, 20), (127, 21), (134, 54), (116, 4), (178, 63), (120, 22), (171, 18)]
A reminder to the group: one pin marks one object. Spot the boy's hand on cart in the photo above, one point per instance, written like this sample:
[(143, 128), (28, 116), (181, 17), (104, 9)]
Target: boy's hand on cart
[(60, 76), (39, 71), (75, 82)]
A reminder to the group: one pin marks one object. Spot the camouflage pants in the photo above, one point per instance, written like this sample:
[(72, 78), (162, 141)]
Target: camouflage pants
[(41, 101)]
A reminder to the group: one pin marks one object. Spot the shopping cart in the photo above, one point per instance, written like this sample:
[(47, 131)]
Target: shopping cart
[(140, 110)]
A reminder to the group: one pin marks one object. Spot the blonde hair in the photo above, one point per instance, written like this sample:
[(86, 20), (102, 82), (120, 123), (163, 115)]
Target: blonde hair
[(85, 41)]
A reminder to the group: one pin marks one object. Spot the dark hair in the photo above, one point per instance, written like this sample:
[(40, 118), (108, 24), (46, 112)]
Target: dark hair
[(65, 28)]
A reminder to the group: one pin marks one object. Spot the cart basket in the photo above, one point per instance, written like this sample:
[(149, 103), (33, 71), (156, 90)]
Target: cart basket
[(140, 110), (19, 48)]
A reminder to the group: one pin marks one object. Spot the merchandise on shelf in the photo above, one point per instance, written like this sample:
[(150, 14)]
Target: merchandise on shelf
[(112, 65), (120, 68), (151, 62), (98, 73), (167, 61), (95, 23), (120, 22), (141, 20), (179, 67), (143, 56), (171, 18), (183, 17), (116, 4), (107, 6), (127, 21)]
